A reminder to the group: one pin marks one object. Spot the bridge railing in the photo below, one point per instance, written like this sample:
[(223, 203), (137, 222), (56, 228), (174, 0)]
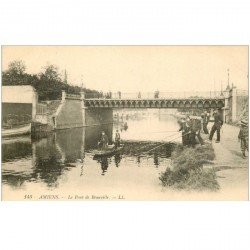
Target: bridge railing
[(41, 109), (73, 96), (241, 92), (155, 95)]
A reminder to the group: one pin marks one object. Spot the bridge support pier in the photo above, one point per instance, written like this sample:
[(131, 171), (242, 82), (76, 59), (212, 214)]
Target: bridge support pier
[(72, 113), (95, 116), (98, 117)]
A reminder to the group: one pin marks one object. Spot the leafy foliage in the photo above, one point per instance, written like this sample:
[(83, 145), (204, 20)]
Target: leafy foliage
[(48, 83), (16, 68)]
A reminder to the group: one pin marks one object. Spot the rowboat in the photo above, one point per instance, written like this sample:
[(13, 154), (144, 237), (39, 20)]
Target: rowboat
[(111, 150), (16, 131)]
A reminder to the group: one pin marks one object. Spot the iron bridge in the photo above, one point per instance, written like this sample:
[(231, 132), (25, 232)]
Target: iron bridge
[(189, 103)]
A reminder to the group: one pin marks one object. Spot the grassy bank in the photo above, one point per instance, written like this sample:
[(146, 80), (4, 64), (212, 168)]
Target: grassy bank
[(187, 170)]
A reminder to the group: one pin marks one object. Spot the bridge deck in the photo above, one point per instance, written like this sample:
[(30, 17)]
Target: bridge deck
[(171, 100), (156, 103)]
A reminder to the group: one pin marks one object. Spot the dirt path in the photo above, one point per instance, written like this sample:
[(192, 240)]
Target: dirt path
[(232, 168)]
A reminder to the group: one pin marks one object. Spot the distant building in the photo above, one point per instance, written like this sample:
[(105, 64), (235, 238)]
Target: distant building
[(18, 103)]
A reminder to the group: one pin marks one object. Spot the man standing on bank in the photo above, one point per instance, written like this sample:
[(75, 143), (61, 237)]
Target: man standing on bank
[(196, 131), (243, 137), (205, 120), (185, 128), (218, 122)]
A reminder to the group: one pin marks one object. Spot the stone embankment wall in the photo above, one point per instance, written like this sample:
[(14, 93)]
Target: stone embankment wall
[(70, 115)]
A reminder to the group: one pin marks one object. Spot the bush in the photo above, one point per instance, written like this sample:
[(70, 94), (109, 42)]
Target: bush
[(187, 169), (200, 180), (170, 178)]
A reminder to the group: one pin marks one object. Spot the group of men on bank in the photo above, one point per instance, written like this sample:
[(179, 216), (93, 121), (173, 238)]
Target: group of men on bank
[(191, 127)]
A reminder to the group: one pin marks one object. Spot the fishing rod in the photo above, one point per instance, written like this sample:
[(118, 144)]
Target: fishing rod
[(167, 142), (155, 132), (158, 145), (168, 136)]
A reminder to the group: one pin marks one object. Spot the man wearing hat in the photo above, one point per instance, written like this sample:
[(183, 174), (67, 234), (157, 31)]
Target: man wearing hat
[(104, 141), (117, 139), (195, 131), (243, 137), (185, 128), (218, 122), (205, 119)]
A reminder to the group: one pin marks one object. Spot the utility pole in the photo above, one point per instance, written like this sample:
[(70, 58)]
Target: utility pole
[(82, 83), (82, 91), (228, 86)]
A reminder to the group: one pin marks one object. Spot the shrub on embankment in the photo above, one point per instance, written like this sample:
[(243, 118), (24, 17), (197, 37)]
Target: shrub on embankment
[(187, 169)]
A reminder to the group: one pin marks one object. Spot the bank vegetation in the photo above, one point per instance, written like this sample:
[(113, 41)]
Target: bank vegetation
[(187, 170)]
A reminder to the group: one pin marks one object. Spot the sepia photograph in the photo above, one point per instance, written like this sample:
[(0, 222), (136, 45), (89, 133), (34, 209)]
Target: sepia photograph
[(125, 123)]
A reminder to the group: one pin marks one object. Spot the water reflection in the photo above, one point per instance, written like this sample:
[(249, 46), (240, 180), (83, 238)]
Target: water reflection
[(52, 159), (104, 164), (16, 148), (118, 158), (138, 160), (49, 157), (156, 160)]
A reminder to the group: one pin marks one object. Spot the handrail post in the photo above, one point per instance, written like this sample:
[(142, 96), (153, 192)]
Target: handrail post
[(63, 95), (82, 95)]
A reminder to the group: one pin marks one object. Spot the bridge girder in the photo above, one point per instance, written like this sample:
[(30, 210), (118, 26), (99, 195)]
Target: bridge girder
[(159, 103)]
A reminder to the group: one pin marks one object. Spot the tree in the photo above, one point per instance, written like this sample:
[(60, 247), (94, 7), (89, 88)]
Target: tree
[(16, 68), (15, 74), (48, 84), (51, 73)]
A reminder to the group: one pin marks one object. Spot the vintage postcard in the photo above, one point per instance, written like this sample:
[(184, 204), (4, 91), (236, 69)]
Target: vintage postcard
[(124, 123)]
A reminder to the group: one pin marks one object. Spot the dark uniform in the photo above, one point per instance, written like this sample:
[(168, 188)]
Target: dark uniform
[(117, 139), (205, 120), (243, 137), (185, 128), (218, 122), (104, 141), (195, 132)]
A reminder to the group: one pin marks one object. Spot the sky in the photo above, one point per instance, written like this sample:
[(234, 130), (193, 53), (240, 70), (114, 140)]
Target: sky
[(139, 68)]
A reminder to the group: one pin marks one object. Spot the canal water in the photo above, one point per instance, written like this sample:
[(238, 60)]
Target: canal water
[(62, 164)]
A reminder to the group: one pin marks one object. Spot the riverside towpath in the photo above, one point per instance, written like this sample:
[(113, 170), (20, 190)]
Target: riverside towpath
[(232, 169)]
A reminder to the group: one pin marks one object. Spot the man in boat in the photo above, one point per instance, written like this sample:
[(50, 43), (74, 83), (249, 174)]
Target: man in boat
[(117, 139), (104, 141)]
